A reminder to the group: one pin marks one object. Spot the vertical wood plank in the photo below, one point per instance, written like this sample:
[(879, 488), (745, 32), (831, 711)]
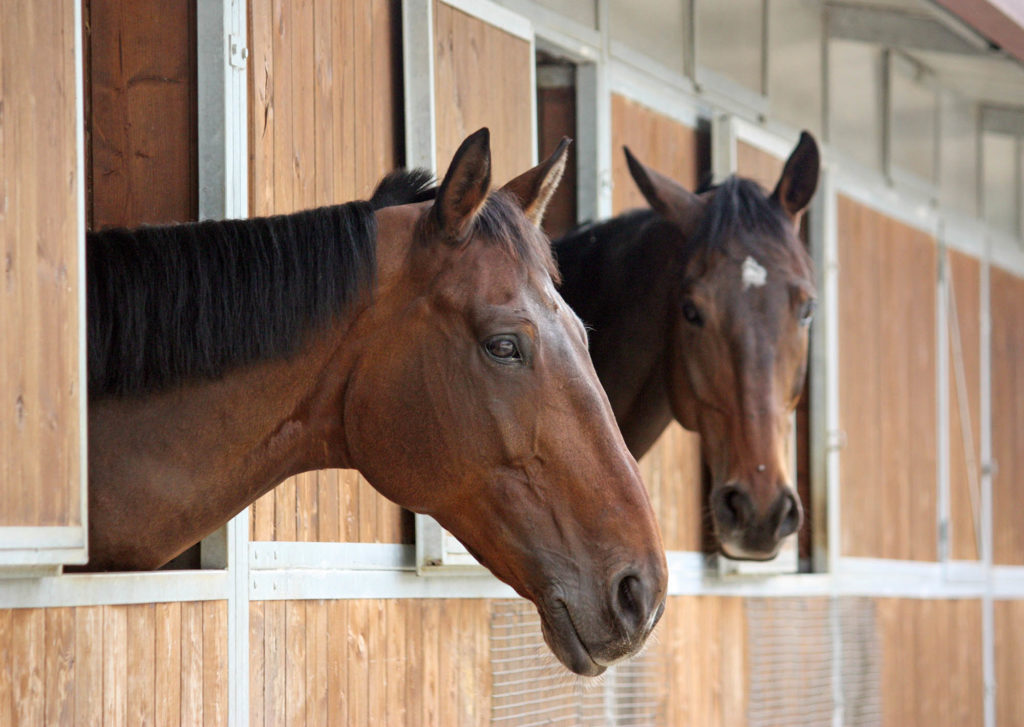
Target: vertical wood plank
[(275, 663), (192, 663), (60, 666), (257, 673), (317, 645), (6, 668), (295, 664), (215, 663), (115, 665), (89, 665), (377, 674), (337, 667), (168, 663), (358, 662), (397, 661), (415, 665), (141, 677), (430, 627), (27, 656)]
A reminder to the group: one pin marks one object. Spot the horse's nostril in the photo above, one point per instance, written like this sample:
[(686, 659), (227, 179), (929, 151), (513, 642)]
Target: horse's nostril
[(630, 601), (734, 507), (789, 516)]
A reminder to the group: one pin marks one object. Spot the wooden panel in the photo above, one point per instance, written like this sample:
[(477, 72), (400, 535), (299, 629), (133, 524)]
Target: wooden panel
[(393, 662), (672, 467), (325, 125), (40, 446), (143, 142), (965, 277), (556, 117), (1007, 310), (887, 386), (482, 78), (931, 662), (658, 141), (701, 646), (113, 665), (1009, 644), (762, 167)]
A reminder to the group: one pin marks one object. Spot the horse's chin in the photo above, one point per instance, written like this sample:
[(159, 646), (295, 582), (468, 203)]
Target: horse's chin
[(564, 641), (734, 552)]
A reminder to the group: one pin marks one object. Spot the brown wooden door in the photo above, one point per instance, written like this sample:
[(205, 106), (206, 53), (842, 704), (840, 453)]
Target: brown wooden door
[(42, 485)]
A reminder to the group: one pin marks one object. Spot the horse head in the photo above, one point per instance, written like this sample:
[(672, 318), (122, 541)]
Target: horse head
[(473, 399), (737, 339)]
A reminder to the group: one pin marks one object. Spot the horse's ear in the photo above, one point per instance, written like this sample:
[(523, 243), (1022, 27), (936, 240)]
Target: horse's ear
[(799, 177), (464, 189), (668, 198), (533, 189)]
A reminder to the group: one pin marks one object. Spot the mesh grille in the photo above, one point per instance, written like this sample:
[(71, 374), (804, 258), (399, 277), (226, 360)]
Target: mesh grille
[(791, 649), (531, 688)]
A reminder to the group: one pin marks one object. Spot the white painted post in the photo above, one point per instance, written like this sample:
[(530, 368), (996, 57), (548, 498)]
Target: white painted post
[(222, 56)]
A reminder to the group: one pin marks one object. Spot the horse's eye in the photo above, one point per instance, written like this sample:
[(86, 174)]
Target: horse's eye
[(691, 314), (503, 349), (807, 312)]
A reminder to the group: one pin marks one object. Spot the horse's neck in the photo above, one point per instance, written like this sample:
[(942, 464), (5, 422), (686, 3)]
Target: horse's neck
[(620, 288), (166, 469)]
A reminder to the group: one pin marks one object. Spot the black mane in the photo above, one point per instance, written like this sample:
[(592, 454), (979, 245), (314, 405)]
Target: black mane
[(167, 304), (740, 210)]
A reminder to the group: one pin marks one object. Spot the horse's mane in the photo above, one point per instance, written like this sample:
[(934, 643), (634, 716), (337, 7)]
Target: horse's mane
[(167, 304), (740, 210)]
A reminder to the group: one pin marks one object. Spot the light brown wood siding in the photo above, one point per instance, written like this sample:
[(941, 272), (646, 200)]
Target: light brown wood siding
[(965, 277), (1007, 310), (140, 76), (388, 662), (931, 662), (325, 125), (40, 390), (1009, 658), (163, 664), (887, 391), (759, 165), (482, 78), (702, 644), (672, 468)]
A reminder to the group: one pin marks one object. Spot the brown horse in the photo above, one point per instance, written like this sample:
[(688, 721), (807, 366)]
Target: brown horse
[(699, 310), (423, 344)]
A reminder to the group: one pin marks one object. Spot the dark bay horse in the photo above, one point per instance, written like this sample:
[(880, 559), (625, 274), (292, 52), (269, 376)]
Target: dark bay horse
[(699, 310), (423, 344)]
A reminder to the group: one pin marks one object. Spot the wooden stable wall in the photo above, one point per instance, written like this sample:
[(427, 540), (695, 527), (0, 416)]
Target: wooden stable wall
[(142, 142), (931, 662), (163, 663), (362, 662), (482, 77), (325, 125), (40, 389), (1009, 656), (887, 391), (672, 468), (1006, 294)]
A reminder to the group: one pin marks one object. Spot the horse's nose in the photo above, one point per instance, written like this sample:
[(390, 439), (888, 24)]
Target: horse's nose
[(637, 599)]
